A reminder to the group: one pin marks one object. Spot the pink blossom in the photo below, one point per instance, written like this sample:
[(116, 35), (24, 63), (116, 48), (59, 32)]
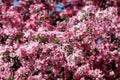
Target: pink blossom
[(82, 42)]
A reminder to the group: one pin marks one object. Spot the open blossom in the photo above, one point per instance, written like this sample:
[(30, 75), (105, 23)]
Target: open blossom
[(59, 40)]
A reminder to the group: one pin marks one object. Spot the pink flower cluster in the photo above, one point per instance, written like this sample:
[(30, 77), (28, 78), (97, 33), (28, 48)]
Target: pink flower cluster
[(80, 42)]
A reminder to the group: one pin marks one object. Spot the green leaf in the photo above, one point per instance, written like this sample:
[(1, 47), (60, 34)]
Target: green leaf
[(49, 73), (80, 38), (89, 30), (83, 19), (55, 40), (36, 11), (70, 49), (63, 29), (83, 11), (10, 78), (18, 36), (66, 19), (76, 29), (41, 39), (60, 79), (37, 38), (96, 50), (51, 0)]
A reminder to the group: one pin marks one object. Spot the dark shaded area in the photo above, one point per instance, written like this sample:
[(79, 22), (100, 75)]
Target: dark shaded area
[(70, 49), (96, 50), (36, 72), (118, 5), (88, 78), (42, 1), (6, 56), (26, 17), (3, 39), (111, 65), (1, 25), (16, 64), (70, 76), (55, 17)]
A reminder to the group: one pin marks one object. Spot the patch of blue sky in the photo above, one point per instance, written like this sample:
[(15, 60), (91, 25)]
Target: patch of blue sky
[(59, 7), (99, 41), (16, 3)]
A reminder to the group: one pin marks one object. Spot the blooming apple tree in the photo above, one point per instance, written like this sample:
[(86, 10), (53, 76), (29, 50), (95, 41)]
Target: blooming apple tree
[(60, 40)]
